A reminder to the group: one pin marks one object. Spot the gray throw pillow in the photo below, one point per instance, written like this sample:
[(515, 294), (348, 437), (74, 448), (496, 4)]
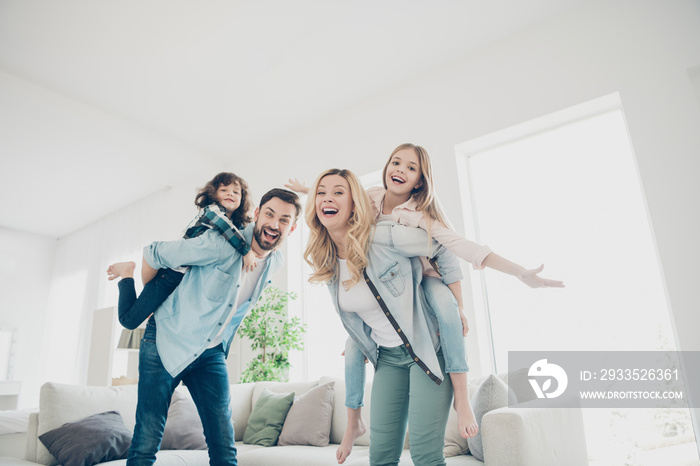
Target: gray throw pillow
[(267, 418), (492, 394), (183, 428), (94, 439), (308, 421)]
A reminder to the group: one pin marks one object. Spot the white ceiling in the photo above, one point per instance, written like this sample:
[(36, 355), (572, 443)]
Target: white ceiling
[(103, 103)]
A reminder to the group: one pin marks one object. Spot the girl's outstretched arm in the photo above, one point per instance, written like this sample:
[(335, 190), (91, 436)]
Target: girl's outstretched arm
[(527, 276)]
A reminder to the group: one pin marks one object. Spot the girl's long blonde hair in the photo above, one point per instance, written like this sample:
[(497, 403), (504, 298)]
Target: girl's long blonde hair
[(321, 253), (424, 196)]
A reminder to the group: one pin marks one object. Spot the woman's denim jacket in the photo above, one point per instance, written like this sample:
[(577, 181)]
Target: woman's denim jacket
[(394, 273)]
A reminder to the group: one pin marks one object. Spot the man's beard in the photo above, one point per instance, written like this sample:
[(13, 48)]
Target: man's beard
[(264, 244)]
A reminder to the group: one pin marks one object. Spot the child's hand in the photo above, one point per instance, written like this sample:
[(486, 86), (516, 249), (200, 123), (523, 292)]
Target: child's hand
[(530, 278), (465, 323), (297, 186), (250, 261)]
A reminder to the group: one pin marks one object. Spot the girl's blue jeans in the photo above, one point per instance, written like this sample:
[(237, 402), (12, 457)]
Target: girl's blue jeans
[(442, 303), (132, 310), (206, 379)]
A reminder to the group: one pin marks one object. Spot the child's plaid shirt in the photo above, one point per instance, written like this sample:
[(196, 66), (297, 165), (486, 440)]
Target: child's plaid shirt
[(214, 217)]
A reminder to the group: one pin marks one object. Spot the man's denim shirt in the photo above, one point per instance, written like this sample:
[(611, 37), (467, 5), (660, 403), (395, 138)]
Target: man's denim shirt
[(194, 313), (396, 272)]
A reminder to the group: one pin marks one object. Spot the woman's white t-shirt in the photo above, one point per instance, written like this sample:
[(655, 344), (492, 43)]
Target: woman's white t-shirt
[(360, 300)]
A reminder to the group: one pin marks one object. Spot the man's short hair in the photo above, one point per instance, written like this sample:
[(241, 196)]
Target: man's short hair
[(284, 194)]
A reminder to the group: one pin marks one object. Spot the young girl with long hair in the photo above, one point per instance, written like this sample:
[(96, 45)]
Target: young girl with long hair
[(408, 198), (374, 278), (224, 206)]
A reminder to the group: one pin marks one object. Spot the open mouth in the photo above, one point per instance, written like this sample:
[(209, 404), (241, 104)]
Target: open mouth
[(330, 211), (270, 235), (398, 179)]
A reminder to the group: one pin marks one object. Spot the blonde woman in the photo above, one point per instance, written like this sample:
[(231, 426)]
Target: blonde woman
[(374, 278), (408, 198)]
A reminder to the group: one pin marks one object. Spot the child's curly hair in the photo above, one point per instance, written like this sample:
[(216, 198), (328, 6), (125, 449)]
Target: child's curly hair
[(207, 196)]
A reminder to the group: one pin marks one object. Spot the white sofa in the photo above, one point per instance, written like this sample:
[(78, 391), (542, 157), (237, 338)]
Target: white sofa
[(510, 436)]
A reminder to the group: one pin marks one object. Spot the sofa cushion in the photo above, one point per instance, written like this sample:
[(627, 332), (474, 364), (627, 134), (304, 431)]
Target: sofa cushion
[(492, 394), (340, 411), (282, 387), (61, 403), (309, 419), (95, 439), (183, 428), (241, 407), (267, 418)]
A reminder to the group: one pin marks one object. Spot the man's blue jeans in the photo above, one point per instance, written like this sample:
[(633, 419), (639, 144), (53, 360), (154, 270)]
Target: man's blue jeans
[(207, 380)]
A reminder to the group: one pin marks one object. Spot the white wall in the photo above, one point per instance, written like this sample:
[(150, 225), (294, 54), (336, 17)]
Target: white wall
[(25, 273), (641, 49), (79, 284)]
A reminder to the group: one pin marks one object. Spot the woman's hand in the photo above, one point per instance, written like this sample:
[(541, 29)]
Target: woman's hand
[(531, 279), (297, 186)]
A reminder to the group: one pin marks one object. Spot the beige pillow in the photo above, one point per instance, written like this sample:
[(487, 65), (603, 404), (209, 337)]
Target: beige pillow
[(241, 407), (62, 403), (282, 387), (183, 428), (308, 421), (340, 415)]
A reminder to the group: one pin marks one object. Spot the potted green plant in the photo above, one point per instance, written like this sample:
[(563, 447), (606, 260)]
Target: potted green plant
[(270, 332)]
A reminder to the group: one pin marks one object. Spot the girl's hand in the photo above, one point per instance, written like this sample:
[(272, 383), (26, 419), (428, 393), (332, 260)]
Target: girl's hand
[(465, 324), (250, 261), (530, 278), (343, 354), (297, 186)]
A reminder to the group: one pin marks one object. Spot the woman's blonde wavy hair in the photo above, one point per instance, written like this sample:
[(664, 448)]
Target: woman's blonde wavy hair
[(321, 253), (426, 202)]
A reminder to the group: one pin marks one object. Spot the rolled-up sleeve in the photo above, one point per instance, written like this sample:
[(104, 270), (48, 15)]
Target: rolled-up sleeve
[(202, 250), (448, 266), (464, 249)]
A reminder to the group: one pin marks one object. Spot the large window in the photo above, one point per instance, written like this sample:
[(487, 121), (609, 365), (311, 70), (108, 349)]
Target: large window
[(564, 191)]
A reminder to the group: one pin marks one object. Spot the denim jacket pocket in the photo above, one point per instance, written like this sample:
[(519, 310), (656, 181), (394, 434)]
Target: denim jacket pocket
[(393, 280), (216, 285)]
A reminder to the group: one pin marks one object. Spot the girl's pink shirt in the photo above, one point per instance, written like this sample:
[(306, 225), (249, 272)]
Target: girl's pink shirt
[(406, 214)]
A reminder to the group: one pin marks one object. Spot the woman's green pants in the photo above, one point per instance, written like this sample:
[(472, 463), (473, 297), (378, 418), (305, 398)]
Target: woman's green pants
[(403, 395)]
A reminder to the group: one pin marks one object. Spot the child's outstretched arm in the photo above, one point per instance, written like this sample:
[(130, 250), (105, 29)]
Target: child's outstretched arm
[(297, 186), (482, 256), (527, 276)]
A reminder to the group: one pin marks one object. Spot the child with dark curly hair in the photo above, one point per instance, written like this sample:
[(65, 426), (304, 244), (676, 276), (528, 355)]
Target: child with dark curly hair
[(224, 207)]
